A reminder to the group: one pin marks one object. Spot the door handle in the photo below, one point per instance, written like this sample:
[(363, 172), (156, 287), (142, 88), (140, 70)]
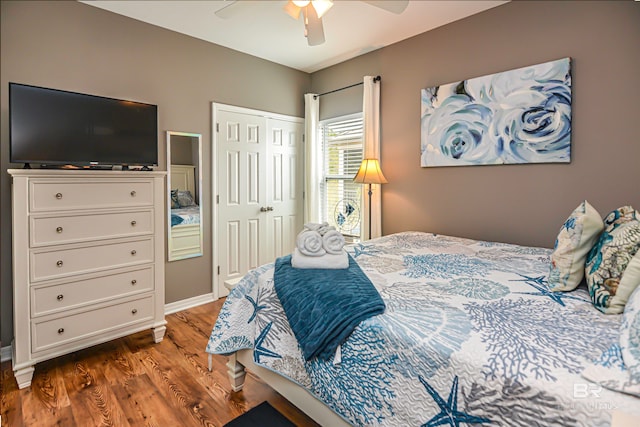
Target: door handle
[(266, 209)]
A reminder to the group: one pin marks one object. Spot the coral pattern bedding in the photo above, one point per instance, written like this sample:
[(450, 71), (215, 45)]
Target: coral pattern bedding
[(185, 216), (471, 335)]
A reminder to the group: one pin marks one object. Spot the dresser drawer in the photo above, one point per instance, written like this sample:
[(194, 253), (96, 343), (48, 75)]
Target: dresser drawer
[(53, 263), (63, 330), (66, 194), (78, 228), (69, 295)]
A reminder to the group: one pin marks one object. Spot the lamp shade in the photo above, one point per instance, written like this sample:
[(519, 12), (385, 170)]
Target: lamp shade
[(322, 6), (294, 7), (370, 173)]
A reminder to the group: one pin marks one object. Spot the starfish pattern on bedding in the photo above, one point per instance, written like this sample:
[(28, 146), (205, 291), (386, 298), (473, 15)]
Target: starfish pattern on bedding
[(449, 414), (256, 308), (259, 350), (361, 249), (540, 284)]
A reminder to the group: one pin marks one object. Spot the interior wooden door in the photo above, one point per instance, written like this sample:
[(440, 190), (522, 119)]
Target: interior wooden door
[(285, 185), (258, 190), (241, 197)]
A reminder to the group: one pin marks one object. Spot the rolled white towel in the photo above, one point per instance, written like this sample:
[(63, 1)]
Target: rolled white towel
[(333, 242), (327, 261), (310, 243), (315, 226), (325, 228)]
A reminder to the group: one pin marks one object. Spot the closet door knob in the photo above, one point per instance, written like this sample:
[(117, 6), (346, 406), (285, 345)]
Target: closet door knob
[(133, 252), (134, 311), (264, 209), (61, 330), (59, 263), (133, 223), (133, 194), (59, 230), (60, 297), (58, 195), (133, 282)]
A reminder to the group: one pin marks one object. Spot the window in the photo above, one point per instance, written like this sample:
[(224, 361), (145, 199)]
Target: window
[(342, 149)]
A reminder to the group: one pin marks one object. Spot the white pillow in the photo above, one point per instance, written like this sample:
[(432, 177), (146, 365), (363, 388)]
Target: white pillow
[(577, 236)]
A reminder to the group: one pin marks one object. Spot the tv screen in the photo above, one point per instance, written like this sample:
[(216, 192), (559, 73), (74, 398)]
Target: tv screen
[(56, 127)]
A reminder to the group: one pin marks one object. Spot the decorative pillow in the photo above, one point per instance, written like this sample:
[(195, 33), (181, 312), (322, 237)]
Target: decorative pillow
[(185, 199), (174, 199), (610, 284), (577, 236)]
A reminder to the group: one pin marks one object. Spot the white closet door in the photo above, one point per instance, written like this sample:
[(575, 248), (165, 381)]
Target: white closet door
[(241, 171), (285, 185), (258, 180)]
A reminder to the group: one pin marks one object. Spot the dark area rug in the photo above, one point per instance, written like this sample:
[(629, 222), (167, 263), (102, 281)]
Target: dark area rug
[(263, 415)]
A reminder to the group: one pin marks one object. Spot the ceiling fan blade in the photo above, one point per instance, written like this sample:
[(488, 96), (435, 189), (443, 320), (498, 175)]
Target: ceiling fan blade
[(313, 26), (292, 10), (393, 6), (227, 11)]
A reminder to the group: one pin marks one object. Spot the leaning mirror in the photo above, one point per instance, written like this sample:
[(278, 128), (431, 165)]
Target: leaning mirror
[(184, 168)]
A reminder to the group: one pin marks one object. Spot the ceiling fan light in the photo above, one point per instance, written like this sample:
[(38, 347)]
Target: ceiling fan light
[(321, 6), (292, 10), (300, 3)]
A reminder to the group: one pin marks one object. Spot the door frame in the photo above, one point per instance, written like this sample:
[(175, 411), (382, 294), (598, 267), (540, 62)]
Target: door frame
[(215, 108)]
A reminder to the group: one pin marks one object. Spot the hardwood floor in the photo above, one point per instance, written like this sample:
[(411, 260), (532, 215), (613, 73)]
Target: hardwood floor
[(133, 382)]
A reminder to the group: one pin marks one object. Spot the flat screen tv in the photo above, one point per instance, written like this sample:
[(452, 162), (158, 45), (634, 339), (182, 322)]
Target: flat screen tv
[(56, 127)]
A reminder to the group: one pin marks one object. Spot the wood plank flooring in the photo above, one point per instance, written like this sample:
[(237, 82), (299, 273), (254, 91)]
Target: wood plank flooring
[(134, 382)]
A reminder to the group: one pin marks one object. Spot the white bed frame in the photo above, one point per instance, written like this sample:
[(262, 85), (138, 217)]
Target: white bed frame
[(293, 392), (185, 238)]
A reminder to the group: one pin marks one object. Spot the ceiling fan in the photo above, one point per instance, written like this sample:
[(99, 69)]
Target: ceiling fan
[(312, 12)]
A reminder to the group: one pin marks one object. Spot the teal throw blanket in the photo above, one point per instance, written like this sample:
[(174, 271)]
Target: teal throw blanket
[(324, 306)]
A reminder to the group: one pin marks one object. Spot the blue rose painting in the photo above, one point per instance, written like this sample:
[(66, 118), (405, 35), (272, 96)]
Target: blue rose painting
[(517, 116)]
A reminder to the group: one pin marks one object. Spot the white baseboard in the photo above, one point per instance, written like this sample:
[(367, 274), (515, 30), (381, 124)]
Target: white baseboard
[(5, 353), (172, 307), (185, 304)]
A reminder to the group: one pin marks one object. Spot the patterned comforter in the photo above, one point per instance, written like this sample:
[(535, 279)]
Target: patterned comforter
[(185, 216), (471, 334)]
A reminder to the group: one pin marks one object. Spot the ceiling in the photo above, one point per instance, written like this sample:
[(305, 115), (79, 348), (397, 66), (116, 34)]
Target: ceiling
[(261, 27)]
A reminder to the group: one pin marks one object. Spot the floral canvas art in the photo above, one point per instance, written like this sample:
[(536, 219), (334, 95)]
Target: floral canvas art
[(517, 116)]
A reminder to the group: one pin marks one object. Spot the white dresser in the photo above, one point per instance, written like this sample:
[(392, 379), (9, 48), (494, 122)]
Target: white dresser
[(88, 260)]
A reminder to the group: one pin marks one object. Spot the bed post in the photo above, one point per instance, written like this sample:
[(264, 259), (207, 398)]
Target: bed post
[(236, 372)]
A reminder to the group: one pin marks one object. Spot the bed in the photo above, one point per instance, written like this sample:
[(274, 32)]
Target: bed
[(185, 238), (471, 334)]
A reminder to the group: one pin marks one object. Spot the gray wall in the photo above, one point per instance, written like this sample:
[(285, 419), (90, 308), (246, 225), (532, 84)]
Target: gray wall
[(72, 46), (524, 204)]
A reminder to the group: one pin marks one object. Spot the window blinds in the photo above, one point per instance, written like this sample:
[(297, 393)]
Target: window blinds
[(342, 150)]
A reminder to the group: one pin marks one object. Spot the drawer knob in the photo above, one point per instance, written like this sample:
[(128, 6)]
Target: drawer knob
[(133, 223), (61, 330), (59, 230), (133, 193), (58, 195), (134, 311), (134, 281), (59, 263), (60, 297), (133, 252)]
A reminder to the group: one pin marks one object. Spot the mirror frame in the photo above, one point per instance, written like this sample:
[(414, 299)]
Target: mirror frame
[(195, 138)]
